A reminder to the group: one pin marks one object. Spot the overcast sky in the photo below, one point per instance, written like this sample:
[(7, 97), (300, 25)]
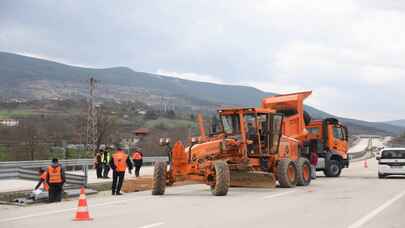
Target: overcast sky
[(350, 53)]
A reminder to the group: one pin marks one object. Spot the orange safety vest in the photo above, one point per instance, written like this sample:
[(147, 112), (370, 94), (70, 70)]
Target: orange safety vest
[(120, 161), (136, 156), (55, 175), (44, 184)]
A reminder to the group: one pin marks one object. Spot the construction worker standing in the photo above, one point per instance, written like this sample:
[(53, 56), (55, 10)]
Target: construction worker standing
[(55, 177), (314, 162), (106, 162), (137, 159), (98, 165), (119, 163)]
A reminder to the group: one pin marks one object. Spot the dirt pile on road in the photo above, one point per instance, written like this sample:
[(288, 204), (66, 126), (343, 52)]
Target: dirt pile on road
[(137, 184)]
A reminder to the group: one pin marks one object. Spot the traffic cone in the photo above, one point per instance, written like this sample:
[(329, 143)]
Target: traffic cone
[(82, 213), (365, 164)]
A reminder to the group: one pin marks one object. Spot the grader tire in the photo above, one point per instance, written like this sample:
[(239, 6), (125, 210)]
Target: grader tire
[(222, 179), (303, 172), (159, 178), (287, 173)]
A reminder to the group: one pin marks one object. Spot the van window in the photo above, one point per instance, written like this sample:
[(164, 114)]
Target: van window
[(393, 154)]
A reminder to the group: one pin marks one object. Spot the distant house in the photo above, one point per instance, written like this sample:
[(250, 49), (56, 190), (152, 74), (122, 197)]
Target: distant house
[(141, 132), (9, 122), (141, 112)]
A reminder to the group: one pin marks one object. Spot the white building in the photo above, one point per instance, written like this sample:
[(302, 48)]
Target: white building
[(9, 122)]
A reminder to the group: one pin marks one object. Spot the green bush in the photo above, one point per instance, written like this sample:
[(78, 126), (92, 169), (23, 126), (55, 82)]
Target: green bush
[(3, 153)]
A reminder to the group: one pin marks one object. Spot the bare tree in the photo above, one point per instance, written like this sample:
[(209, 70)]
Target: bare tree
[(106, 126), (31, 137)]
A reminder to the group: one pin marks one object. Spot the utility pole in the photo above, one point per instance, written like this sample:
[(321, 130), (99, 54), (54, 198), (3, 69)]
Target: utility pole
[(91, 117)]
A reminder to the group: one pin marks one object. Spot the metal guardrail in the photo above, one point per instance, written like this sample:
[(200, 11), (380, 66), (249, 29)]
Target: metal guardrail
[(65, 163), (28, 169), (30, 174), (45, 163)]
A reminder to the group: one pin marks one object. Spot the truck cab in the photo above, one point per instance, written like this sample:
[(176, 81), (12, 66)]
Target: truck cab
[(329, 138)]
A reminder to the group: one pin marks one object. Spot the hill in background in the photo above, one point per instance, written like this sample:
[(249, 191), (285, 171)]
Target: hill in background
[(25, 78)]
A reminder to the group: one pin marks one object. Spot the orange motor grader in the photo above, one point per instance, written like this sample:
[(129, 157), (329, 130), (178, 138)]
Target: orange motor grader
[(250, 150)]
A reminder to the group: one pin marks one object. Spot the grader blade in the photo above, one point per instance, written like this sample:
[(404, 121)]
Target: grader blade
[(252, 179)]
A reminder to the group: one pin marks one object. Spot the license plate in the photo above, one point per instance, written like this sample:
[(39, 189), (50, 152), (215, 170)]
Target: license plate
[(396, 167)]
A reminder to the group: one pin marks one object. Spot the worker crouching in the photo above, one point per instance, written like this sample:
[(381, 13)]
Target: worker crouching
[(55, 177), (119, 163)]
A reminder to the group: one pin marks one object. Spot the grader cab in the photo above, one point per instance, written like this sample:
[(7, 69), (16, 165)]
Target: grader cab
[(250, 150)]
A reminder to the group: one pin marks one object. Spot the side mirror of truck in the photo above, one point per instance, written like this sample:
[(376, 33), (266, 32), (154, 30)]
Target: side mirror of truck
[(377, 158)]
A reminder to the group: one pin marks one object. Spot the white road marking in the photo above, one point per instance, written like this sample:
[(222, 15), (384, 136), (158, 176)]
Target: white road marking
[(359, 223), (278, 194), (37, 215), (75, 208), (152, 225)]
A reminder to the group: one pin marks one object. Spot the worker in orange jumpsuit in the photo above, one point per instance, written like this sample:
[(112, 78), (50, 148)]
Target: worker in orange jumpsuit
[(119, 163), (42, 180), (55, 177), (137, 159)]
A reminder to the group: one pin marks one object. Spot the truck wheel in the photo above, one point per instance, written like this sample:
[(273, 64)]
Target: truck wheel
[(332, 169), (303, 172), (381, 176), (287, 173), (222, 179), (159, 178)]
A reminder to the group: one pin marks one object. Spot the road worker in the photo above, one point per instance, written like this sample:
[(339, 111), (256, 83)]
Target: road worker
[(98, 164), (314, 162), (119, 163), (55, 177), (106, 158), (137, 159), (42, 180)]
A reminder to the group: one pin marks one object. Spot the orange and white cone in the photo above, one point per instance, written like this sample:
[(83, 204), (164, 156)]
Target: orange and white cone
[(365, 164), (82, 213)]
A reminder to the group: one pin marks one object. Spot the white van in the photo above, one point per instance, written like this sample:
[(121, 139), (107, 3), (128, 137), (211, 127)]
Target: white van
[(391, 161)]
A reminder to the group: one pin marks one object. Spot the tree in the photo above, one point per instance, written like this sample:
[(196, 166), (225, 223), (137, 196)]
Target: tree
[(171, 114), (106, 125), (31, 137), (151, 115)]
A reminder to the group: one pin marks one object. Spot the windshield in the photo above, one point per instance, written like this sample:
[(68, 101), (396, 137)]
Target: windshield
[(395, 154), (231, 124), (338, 133)]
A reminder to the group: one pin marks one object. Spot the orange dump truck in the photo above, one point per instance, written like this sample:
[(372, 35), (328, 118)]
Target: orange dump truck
[(327, 137)]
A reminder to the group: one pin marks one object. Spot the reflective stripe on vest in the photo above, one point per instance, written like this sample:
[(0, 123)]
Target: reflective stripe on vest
[(120, 161), (55, 174), (137, 156), (44, 184)]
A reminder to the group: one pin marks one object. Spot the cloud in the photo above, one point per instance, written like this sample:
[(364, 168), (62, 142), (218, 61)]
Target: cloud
[(349, 52)]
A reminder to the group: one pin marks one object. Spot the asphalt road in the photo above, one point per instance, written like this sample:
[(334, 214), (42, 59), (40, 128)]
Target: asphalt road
[(356, 199)]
